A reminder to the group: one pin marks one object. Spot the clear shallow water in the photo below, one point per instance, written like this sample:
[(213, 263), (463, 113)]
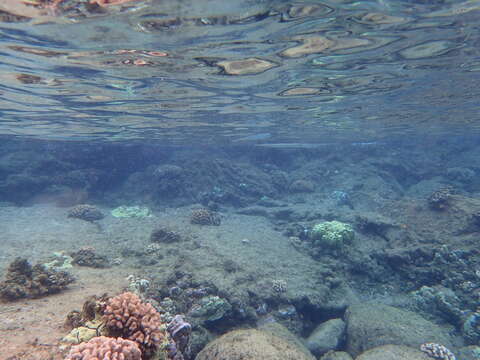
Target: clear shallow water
[(326, 71)]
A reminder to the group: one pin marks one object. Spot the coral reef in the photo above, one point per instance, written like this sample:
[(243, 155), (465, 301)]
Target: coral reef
[(127, 316), (85, 212), (163, 234), (332, 234), (204, 217), (437, 351), (24, 281), (105, 348)]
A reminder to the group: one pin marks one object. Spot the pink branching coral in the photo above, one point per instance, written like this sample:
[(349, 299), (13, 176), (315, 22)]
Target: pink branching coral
[(105, 348), (127, 316)]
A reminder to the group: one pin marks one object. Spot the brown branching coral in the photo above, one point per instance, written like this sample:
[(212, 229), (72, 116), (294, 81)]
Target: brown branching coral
[(204, 217), (127, 316), (23, 280), (85, 212), (105, 348), (164, 235)]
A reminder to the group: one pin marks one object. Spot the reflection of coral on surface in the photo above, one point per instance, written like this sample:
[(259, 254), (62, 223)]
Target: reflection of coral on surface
[(24, 281), (204, 217), (127, 316), (109, 2), (105, 348)]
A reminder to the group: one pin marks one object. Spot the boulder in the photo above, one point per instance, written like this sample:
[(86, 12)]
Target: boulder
[(326, 336), (372, 325), (251, 344), (393, 352), (336, 355)]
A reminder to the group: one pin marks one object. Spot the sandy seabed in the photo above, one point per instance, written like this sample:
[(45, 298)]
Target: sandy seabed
[(32, 328)]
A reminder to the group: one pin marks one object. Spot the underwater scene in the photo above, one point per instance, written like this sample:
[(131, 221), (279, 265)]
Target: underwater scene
[(239, 180)]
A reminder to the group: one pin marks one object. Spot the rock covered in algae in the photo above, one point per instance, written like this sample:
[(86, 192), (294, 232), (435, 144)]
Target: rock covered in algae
[(251, 344), (245, 66), (393, 352)]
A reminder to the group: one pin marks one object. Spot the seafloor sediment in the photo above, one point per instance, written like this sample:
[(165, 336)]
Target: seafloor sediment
[(231, 238)]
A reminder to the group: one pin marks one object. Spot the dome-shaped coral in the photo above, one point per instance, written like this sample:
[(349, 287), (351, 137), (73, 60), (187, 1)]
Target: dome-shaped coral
[(105, 348), (127, 316)]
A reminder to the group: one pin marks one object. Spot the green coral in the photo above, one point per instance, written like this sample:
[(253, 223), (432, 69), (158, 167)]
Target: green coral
[(333, 234), (131, 211), (87, 332), (60, 261)]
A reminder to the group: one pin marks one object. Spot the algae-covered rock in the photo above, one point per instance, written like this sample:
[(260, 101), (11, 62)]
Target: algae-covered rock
[(336, 355), (393, 352), (332, 234), (372, 325), (278, 330), (251, 345), (131, 211), (468, 353)]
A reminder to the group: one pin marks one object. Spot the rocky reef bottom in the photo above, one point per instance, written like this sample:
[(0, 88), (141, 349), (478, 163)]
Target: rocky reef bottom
[(247, 288)]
